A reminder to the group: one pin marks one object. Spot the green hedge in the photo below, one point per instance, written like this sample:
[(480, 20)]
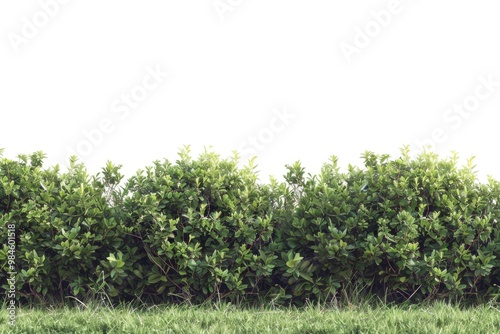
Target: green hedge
[(419, 229), (205, 229)]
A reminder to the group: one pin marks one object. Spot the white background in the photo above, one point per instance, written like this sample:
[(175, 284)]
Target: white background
[(232, 64)]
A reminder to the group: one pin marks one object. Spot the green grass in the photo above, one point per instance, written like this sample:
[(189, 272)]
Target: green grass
[(438, 318)]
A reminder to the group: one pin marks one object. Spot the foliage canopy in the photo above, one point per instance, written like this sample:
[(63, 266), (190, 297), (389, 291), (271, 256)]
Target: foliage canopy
[(205, 229)]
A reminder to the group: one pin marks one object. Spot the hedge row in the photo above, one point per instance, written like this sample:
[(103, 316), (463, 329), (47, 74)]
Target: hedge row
[(205, 229)]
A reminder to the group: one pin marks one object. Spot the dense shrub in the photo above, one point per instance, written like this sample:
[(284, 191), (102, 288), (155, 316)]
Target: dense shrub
[(65, 228), (205, 229), (414, 228)]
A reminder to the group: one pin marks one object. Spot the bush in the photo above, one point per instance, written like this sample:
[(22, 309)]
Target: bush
[(65, 228), (205, 229), (419, 229)]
